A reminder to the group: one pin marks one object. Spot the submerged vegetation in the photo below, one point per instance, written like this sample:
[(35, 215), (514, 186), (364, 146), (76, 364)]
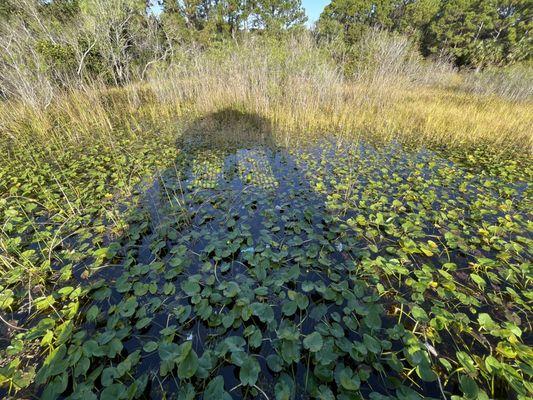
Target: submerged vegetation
[(260, 219)]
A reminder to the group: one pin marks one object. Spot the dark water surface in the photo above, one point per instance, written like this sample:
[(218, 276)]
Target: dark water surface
[(261, 217), (247, 250)]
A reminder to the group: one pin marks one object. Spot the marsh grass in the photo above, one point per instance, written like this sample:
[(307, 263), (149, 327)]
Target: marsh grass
[(513, 83), (295, 85), (423, 116)]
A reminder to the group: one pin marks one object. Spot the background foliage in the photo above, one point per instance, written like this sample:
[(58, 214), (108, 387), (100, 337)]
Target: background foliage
[(59, 43), (473, 32)]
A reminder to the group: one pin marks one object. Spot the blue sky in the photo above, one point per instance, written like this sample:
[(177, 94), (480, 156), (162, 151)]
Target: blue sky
[(314, 8)]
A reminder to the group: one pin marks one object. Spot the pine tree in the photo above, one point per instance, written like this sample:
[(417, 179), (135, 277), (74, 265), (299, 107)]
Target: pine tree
[(350, 18), (474, 32), (277, 15), (482, 32)]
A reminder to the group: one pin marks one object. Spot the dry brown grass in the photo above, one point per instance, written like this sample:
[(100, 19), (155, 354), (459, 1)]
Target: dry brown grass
[(297, 88)]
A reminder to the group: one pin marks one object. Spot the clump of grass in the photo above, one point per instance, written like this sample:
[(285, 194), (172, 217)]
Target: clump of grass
[(514, 83), (394, 95)]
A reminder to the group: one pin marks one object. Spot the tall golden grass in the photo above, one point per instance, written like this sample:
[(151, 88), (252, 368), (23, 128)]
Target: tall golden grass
[(298, 87)]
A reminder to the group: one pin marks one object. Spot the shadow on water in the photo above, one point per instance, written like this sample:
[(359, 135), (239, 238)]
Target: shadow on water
[(230, 250), (220, 218), (203, 223), (237, 252)]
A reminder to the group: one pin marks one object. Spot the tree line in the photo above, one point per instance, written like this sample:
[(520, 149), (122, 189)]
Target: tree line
[(474, 33), (118, 41)]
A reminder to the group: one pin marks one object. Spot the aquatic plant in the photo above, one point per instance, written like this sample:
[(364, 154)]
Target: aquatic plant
[(336, 269)]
